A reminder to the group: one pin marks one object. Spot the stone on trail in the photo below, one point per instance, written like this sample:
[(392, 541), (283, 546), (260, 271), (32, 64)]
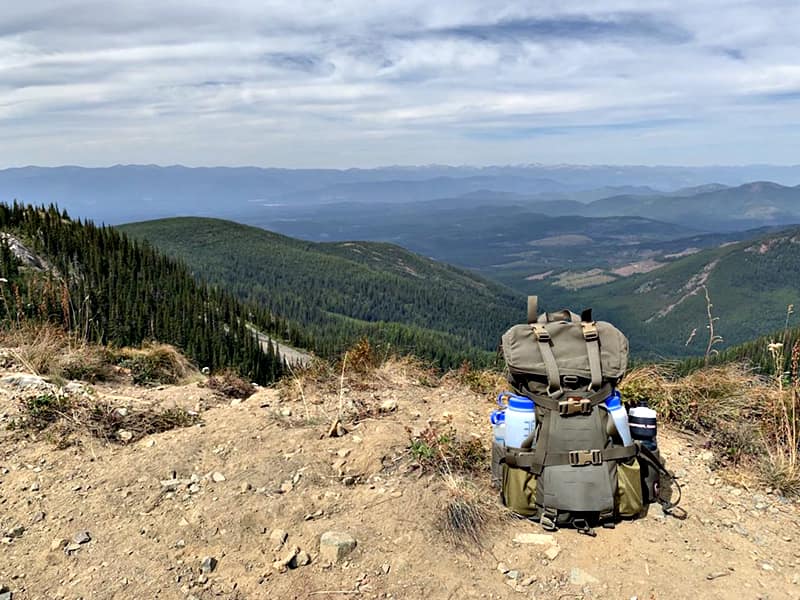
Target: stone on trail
[(540, 539), (208, 565), (5, 594), (335, 545), (552, 552), (25, 381), (388, 406), (82, 537), (278, 537), (217, 477), (579, 577)]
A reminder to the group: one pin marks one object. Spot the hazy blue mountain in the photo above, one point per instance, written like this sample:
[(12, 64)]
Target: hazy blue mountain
[(129, 192), (750, 205)]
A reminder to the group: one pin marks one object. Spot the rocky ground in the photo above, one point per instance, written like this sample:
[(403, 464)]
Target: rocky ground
[(257, 501)]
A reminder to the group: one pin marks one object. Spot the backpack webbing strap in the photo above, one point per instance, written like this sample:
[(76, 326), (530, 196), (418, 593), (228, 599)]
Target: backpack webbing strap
[(533, 309), (539, 454), (669, 507), (576, 458), (592, 338), (553, 376), (572, 404)]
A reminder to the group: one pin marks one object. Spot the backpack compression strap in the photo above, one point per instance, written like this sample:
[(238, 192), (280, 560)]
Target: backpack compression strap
[(553, 376), (576, 458), (667, 505), (592, 338), (533, 309)]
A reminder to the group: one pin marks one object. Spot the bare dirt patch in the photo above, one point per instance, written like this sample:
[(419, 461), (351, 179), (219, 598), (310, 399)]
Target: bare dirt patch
[(228, 488)]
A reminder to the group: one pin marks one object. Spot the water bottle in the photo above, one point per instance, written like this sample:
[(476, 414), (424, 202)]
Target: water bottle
[(520, 419), (644, 426), (498, 419), (619, 416)]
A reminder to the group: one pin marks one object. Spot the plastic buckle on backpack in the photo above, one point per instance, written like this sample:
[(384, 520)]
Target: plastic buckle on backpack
[(582, 458), (542, 335), (582, 525), (574, 405), (590, 333)]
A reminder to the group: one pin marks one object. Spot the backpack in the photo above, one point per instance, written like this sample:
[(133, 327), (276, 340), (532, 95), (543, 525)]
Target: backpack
[(571, 470)]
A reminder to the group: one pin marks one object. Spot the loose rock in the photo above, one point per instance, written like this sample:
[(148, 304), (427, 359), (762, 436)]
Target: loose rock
[(217, 477), (541, 539), (278, 537), (580, 577), (208, 565), (388, 406), (82, 537), (335, 545), (552, 552)]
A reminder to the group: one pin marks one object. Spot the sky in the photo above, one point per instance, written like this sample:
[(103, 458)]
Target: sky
[(351, 83)]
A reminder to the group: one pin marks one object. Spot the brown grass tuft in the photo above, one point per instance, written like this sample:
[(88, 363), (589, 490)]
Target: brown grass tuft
[(439, 448), (231, 385), (60, 417), (155, 364), (486, 382), (751, 421), (467, 514)]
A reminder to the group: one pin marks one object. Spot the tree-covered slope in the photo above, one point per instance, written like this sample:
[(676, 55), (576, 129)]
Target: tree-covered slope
[(340, 291), (109, 289), (750, 285)]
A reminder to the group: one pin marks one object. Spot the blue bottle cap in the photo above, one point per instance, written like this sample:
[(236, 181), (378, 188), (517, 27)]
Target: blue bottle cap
[(614, 400), (520, 403)]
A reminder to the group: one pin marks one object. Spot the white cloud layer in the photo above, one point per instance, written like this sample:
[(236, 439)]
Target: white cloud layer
[(344, 83)]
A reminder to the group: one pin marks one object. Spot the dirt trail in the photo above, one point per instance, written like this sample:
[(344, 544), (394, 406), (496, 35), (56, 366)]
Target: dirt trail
[(148, 540)]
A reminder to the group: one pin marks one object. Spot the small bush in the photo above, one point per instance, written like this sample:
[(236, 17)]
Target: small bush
[(361, 357), (440, 449), (63, 416), (87, 363), (480, 381), (231, 385), (155, 364), (41, 411)]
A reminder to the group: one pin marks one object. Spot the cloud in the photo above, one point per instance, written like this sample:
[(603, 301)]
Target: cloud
[(343, 82)]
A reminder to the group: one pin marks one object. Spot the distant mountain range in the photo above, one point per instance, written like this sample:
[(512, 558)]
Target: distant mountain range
[(129, 192)]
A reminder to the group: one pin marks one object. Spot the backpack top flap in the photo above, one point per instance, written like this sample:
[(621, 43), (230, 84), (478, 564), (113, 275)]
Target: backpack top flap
[(522, 354)]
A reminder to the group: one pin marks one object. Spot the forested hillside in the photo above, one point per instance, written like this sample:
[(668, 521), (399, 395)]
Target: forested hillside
[(109, 289), (341, 291), (664, 312)]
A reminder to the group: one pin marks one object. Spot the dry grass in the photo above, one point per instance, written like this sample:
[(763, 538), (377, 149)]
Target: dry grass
[(45, 349), (155, 364), (469, 511), (439, 448), (60, 417), (751, 421), (230, 385), (485, 382)]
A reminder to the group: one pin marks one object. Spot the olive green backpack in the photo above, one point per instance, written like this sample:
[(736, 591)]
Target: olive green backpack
[(572, 470)]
